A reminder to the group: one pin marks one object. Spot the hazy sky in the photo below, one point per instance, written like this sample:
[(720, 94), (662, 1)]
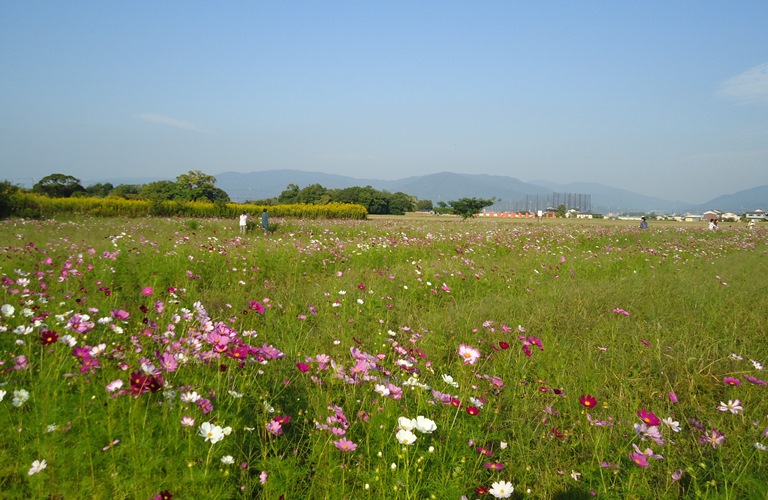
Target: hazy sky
[(663, 98)]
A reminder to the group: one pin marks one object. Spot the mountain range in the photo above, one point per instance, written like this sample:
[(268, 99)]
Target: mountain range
[(510, 193)]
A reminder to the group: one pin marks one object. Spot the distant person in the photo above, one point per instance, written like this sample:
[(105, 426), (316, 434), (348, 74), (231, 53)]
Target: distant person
[(713, 224), (243, 222), (751, 224), (643, 223), (265, 220)]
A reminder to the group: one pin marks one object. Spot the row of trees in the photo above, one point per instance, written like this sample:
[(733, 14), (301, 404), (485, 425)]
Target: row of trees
[(192, 186), (376, 201), (196, 186)]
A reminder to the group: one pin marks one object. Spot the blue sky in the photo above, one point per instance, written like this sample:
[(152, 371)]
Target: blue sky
[(667, 99)]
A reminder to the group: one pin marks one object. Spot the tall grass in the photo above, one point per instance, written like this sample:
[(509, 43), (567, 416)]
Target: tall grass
[(339, 328)]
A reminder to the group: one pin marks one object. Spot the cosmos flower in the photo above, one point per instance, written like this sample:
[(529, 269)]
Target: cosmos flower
[(211, 432), (37, 466), (648, 417), (732, 406), (588, 400), (468, 354), (715, 438), (345, 444), (501, 489), (405, 437)]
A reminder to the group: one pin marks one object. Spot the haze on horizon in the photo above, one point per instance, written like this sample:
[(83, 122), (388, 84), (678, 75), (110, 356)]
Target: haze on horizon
[(664, 99)]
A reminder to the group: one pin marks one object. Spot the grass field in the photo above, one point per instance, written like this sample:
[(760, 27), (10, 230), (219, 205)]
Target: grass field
[(412, 357)]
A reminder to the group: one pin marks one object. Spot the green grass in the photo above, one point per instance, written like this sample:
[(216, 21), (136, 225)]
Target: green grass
[(394, 290)]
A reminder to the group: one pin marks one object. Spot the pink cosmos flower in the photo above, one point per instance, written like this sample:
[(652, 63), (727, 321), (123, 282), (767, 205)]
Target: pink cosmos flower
[(114, 385), (256, 306), (274, 427), (732, 381), (147, 291), (672, 396), (345, 444), (468, 354), (263, 477), (493, 465), (753, 380), (715, 438), (619, 310), (640, 459)]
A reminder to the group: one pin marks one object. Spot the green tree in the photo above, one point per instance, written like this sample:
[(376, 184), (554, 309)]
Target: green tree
[(314, 194), (424, 205), (8, 192), (468, 207), (163, 191), (289, 195), (198, 186), (560, 212), (127, 191), (58, 186), (100, 190), (399, 203)]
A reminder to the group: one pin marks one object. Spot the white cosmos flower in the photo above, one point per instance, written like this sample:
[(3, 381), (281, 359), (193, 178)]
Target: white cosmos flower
[(449, 380), (425, 425), (406, 424), (406, 437), (37, 466), (501, 489), (756, 364), (732, 406), (672, 424), (211, 432), (227, 460), (19, 397), (381, 389)]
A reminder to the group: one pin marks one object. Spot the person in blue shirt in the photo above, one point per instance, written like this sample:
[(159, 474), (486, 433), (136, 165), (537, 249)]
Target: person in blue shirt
[(265, 220), (643, 223)]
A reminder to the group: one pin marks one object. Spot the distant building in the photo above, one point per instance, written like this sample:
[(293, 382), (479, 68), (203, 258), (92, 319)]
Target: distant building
[(756, 215), (711, 215)]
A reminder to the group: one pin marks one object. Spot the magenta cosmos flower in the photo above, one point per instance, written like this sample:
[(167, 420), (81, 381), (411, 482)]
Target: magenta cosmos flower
[(468, 354), (732, 381), (648, 417), (588, 400)]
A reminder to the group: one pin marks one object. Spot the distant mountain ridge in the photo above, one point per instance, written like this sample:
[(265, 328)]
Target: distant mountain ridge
[(443, 186), (447, 186)]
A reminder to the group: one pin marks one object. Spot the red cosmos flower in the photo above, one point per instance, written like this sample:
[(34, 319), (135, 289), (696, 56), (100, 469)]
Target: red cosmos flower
[(589, 401), (456, 402), (482, 490), (649, 418), (303, 367), (504, 345), (557, 433), (473, 410), (49, 337), (282, 419)]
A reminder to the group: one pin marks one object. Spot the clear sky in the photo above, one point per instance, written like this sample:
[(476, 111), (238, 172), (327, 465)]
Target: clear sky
[(663, 98)]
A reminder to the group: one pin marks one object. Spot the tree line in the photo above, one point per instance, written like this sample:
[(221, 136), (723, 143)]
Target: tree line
[(196, 186)]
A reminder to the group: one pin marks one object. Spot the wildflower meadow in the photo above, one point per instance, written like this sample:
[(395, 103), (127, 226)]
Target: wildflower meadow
[(387, 358)]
